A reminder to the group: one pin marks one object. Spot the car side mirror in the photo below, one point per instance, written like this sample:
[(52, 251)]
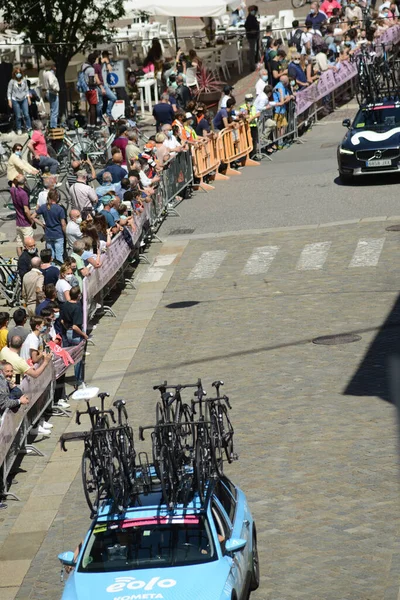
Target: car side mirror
[(346, 123), (67, 558), (235, 544)]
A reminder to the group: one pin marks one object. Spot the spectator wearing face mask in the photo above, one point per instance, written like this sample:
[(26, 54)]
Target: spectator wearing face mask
[(73, 231), (19, 99), (16, 165), (353, 11), (282, 95), (170, 142), (24, 261), (297, 73), (316, 17), (261, 82)]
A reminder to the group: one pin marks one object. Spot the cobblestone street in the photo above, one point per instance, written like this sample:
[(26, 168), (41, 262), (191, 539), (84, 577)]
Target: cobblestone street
[(318, 462)]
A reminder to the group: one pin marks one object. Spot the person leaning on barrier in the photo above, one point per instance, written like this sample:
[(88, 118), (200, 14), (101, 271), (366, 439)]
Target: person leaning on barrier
[(221, 119), (170, 141), (11, 354), (264, 104), (162, 152), (282, 95), (8, 399)]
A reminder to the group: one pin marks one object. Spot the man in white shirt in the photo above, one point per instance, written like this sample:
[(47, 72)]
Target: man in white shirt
[(31, 347), (73, 231), (227, 94), (49, 184), (52, 88), (170, 142), (262, 82)]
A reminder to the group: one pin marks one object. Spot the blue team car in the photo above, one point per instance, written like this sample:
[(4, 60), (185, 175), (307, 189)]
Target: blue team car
[(203, 550)]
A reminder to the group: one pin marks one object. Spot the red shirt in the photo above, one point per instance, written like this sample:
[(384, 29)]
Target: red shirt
[(328, 5), (39, 143), (121, 143)]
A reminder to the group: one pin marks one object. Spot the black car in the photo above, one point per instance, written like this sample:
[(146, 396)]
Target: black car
[(372, 142)]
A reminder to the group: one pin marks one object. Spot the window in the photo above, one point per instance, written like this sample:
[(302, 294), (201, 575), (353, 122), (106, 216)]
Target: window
[(147, 544), (226, 494), (222, 527)]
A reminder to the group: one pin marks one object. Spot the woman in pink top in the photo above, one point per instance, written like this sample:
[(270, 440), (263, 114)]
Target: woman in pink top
[(328, 5)]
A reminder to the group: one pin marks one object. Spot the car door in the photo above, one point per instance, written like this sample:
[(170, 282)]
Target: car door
[(238, 569)]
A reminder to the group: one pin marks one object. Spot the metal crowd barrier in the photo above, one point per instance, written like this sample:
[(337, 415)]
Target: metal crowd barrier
[(236, 145), (206, 161)]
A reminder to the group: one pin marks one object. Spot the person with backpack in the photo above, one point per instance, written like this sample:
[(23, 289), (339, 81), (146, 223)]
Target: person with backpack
[(296, 35), (88, 84)]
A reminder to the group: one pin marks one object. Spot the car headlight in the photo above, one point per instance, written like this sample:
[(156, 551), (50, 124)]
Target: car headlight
[(345, 151)]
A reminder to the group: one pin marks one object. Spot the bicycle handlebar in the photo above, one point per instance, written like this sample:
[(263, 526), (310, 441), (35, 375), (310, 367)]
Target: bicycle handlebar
[(76, 436)]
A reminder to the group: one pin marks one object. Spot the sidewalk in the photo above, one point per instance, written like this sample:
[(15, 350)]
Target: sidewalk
[(43, 482)]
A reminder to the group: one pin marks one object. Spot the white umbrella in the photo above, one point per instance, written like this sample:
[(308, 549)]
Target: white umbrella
[(183, 8)]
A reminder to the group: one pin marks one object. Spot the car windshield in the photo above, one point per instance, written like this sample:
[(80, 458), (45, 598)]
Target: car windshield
[(379, 118), (148, 543)]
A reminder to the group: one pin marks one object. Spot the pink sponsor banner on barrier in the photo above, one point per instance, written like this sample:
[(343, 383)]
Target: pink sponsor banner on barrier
[(331, 80), (113, 259)]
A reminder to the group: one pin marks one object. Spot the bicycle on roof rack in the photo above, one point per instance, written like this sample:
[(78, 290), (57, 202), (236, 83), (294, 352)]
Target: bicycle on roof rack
[(190, 442)]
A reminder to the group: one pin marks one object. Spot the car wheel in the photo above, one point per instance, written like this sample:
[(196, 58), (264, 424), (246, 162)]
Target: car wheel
[(255, 572), (346, 178)]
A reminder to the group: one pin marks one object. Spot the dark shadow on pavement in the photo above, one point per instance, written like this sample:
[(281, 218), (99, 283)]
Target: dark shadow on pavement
[(372, 376)]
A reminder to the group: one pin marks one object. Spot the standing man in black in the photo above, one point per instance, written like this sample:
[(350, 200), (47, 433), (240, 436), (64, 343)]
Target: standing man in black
[(252, 27)]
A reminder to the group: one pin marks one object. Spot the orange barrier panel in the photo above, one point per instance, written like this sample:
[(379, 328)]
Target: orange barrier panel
[(206, 159), (236, 145)]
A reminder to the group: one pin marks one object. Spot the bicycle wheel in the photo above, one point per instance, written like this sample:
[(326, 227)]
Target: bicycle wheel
[(6, 200), (116, 481), (201, 468), (186, 429), (216, 446), (160, 414), (298, 3), (65, 201), (166, 477), (90, 484), (227, 431), (156, 450)]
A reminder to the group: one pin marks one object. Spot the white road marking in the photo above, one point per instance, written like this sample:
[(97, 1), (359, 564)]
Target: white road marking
[(260, 260), (367, 252), (164, 260), (150, 275), (313, 256), (208, 264)]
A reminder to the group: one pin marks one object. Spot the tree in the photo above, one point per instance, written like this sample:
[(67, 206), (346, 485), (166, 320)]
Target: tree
[(59, 29)]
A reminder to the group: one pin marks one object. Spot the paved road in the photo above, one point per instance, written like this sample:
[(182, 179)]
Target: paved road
[(315, 428), (318, 455), (300, 187)]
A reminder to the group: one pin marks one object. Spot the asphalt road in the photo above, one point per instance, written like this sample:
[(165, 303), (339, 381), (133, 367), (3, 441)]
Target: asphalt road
[(300, 187)]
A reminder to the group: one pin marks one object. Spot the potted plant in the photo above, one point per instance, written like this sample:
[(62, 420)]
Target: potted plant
[(210, 88)]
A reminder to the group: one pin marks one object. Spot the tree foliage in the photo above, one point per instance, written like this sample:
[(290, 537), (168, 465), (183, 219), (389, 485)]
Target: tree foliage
[(62, 28)]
